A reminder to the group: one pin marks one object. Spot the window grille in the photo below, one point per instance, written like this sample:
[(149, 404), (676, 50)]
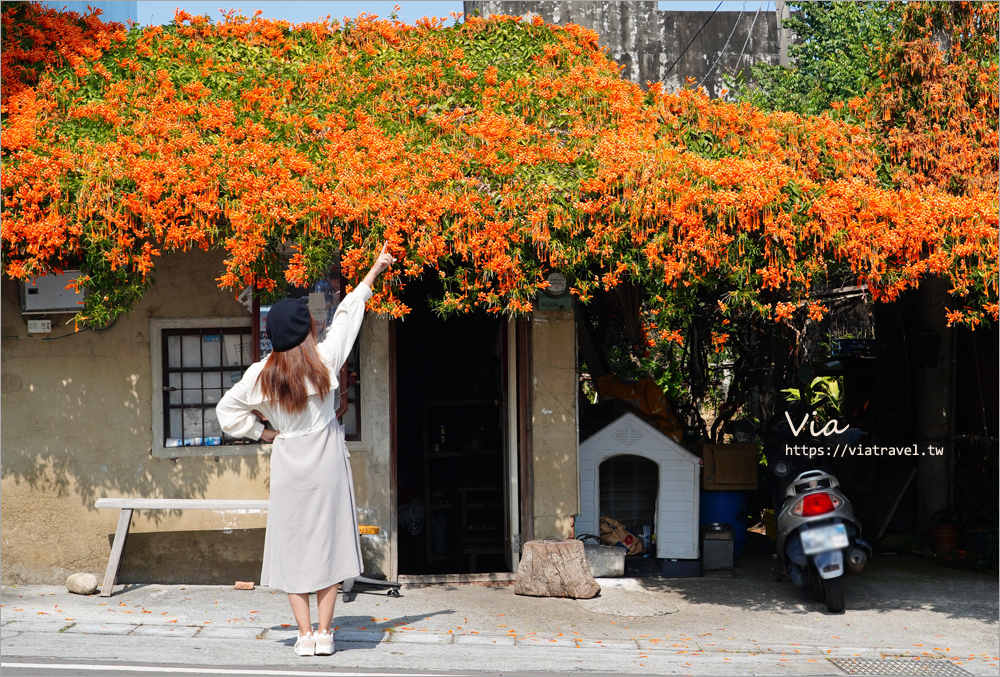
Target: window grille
[(197, 359), (351, 420), (199, 365)]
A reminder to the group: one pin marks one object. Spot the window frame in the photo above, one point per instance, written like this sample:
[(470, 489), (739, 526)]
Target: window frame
[(156, 327), (353, 394)]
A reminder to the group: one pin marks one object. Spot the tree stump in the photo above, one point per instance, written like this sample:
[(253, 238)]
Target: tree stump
[(555, 568)]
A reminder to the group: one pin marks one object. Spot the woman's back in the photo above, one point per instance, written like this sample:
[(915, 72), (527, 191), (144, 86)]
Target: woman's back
[(235, 411)]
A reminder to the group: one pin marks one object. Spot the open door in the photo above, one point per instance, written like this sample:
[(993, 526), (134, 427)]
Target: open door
[(510, 467), (456, 482)]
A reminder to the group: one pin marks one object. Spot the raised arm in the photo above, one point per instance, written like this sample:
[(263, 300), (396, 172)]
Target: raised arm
[(384, 260), (347, 320)]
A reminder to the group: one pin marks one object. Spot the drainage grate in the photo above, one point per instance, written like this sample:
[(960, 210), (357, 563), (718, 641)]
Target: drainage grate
[(898, 666), (628, 435)]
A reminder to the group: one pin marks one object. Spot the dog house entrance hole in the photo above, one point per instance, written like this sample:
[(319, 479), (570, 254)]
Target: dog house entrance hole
[(629, 486)]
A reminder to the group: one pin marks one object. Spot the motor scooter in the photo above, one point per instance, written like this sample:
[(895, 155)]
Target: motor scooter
[(819, 537)]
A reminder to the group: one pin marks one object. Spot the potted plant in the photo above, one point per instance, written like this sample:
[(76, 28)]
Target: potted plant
[(945, 531)]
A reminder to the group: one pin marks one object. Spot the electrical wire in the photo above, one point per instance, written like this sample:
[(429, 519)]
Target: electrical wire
[(723, 50), (107, 327), (747, 41), (72, 333), (692, 40)]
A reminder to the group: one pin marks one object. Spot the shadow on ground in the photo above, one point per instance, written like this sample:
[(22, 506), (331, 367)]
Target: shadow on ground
[(346, 630), (888, 583)]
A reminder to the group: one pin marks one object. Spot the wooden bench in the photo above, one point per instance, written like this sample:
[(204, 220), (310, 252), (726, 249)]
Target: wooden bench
[(128, 505)]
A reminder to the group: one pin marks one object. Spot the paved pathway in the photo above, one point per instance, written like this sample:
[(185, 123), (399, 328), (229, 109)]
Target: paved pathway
[(741, 625)]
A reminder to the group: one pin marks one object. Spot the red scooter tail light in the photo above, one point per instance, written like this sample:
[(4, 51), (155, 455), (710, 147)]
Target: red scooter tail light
[(818, 503)]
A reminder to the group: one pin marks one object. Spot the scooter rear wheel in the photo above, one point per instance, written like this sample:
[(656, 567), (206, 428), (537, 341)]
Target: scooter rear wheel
[(833, 594)]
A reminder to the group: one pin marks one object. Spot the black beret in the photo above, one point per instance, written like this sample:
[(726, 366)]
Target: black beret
[(288, 323)]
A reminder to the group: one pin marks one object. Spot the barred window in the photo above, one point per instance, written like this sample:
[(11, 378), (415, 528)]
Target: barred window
[(195, 361)]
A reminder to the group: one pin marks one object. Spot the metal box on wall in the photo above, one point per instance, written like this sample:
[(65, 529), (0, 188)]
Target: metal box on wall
[(48, 294), (729, 466)]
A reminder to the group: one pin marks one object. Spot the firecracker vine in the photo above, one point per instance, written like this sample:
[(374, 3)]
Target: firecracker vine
[(487, 153)]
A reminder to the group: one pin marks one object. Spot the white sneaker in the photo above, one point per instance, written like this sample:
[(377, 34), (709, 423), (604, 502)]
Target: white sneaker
[(324, 644), (306, 645)]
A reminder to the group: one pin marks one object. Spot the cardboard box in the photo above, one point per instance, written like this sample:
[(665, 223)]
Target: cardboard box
[(729, 466)]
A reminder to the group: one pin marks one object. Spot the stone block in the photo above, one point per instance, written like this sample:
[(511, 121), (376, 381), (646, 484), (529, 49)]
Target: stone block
[(82, 583)]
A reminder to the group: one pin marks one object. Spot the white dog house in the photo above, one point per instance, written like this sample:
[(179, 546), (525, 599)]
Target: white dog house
[(678, 471)]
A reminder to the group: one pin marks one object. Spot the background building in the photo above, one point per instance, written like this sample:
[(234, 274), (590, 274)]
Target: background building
[(667, 46)]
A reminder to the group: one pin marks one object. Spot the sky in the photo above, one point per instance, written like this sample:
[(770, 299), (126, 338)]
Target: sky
[(156, 12)]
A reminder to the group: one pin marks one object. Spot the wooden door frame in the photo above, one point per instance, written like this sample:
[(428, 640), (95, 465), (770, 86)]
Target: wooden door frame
[(525, 469), (526, 482), (393, 491)]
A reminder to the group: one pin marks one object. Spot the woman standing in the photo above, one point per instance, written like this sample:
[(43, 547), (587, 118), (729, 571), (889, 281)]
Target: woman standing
[(311, 543)]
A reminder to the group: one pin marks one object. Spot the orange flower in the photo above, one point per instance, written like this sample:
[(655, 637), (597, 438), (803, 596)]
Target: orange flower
[(487, 171)]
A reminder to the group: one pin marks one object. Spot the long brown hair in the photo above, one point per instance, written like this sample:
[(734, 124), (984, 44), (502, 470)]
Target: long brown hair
[(283, 379)]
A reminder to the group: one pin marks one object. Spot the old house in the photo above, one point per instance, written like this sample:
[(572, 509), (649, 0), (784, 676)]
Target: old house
[(442, 423), (463, 433)]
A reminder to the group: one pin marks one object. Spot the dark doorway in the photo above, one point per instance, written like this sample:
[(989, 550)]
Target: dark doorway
[(450, 439)]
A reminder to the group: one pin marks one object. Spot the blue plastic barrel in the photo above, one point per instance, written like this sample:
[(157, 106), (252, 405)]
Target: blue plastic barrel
[(727, 507)]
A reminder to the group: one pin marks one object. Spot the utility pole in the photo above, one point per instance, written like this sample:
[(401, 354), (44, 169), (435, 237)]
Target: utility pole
[(781, 13)]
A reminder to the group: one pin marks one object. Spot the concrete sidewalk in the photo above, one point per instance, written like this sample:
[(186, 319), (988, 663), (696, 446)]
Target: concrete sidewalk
[(928, 615)]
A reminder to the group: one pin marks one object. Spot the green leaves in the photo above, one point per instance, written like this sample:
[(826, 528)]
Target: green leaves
[(111, 291), (508, 46), (835, 57), (823, 392)]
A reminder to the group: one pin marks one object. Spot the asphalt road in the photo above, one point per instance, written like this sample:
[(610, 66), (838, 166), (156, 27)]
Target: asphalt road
[(69, 668)]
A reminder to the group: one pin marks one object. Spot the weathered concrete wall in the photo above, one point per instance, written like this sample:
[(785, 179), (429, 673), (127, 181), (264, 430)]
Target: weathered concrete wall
[(555, 461), (76, 426), (370, 457), (647, 41)]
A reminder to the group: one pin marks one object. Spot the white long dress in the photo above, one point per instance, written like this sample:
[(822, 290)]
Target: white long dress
[(311, 540)]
